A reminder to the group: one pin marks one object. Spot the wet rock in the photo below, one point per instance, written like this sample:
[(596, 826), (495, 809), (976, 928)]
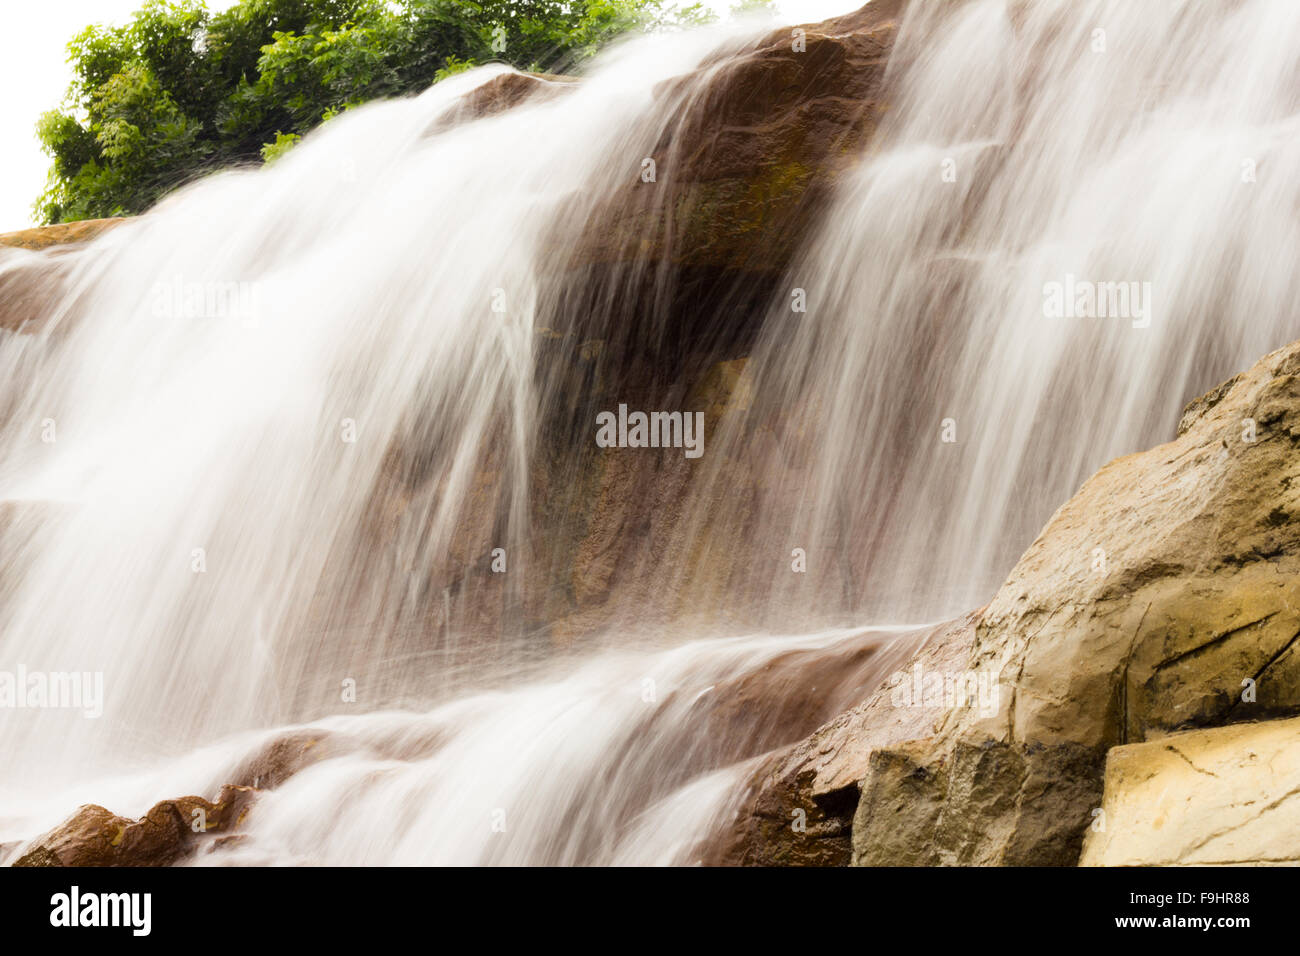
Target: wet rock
[(282, 757), (503, 93), (785, 699), (800, 803), (748, 163), (169, 832), (33, 266)]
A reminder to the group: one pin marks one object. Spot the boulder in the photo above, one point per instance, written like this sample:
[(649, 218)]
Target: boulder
[(1216, 797), (93, 836), (1161, 597)]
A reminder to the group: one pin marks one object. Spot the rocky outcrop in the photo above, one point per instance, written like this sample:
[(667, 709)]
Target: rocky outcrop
[(1161, 597), (171, 831), (1226, 796), (59, 234), (174, 830)]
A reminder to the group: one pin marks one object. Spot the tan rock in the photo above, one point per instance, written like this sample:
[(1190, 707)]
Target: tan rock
[(1202, 798), (1164, 596), (62, 233)]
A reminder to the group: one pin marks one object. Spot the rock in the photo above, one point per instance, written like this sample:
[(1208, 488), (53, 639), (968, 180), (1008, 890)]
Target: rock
[(787, 698), (1162, 597), (282, 757), (95, 837), (59, 234), (989, 803), (26, 291), (816, 780), (31, 276), (502, 93), (1202, 798), (746, 164)]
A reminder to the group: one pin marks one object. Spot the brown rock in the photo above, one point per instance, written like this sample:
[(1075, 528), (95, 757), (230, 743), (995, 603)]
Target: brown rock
[(502, 93), (816, 780), (283, 757), (95, 837), (31, 276), (747, 164)]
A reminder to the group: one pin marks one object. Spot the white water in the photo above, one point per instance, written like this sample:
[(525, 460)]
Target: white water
[(926, 297), (375, 249)]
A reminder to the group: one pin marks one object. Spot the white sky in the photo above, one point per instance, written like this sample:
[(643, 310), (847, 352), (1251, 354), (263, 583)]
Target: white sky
[(34, 76)]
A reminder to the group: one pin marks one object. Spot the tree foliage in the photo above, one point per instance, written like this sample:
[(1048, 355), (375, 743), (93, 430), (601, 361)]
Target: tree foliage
[(179, 91)]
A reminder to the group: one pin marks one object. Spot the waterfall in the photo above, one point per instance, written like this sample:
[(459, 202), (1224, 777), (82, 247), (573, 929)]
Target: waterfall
[(1031, 151), (260, 433)]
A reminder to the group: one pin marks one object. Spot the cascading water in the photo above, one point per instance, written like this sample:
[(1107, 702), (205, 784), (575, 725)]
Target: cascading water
[(233, 514), (1029, 146)]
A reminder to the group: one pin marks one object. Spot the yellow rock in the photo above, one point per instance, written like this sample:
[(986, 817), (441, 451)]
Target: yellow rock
[(1204, 797)]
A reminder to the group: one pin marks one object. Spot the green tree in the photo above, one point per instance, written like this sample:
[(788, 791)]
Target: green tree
[(179, 91)]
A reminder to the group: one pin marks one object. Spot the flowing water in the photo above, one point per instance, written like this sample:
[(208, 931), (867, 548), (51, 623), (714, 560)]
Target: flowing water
[(231, 506)]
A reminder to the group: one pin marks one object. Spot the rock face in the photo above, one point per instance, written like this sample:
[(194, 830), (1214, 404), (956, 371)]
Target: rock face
[(169, 832), (1162, 597), (750, 148), (748, 162), (1202, 798)]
